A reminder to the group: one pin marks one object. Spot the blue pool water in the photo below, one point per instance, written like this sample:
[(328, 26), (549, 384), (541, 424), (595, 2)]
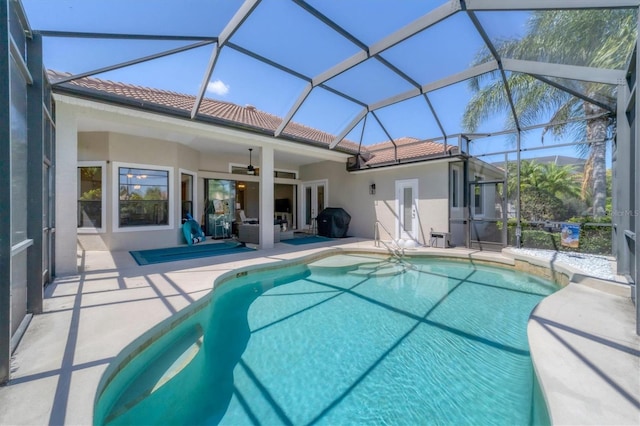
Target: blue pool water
[(349, 339)]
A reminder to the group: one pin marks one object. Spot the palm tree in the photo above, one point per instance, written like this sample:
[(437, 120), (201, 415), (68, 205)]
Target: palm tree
[(559, 180), (594, 38), (530, 172), (544, 187)]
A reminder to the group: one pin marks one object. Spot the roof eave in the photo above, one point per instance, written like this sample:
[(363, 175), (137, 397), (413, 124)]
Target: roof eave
[(100, 96), (409, 161)]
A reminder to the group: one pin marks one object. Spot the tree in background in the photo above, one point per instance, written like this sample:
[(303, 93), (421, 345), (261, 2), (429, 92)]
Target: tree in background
[(593, 38), (544, 189)]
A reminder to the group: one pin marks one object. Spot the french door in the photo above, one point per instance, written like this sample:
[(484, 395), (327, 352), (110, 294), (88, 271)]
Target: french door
[(315, 198), (406, 208)]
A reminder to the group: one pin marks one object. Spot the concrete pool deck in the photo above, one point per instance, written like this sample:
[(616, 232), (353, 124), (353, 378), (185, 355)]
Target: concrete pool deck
[(582, 338)]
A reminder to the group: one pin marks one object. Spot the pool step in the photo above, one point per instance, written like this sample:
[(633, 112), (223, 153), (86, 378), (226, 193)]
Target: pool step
[(385, 269), (160, 368)]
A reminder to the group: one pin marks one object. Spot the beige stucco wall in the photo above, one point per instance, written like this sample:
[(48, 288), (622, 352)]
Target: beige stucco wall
[(220, 162), (351, 192), (93, 146), (115, 147)]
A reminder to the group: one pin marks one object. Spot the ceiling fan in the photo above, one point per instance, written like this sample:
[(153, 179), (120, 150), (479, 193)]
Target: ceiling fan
[(250, 169)]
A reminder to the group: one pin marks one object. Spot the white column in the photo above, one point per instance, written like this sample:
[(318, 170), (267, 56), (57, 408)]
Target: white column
[(266, 198), (66, 190)]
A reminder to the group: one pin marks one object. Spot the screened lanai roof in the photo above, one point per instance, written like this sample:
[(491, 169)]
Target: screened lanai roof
[(352, 74)]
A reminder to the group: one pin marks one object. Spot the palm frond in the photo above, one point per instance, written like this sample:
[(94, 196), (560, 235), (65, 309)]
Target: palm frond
[(487, 102), (594, 38)]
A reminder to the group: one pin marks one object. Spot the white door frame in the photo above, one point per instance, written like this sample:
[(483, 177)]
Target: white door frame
[(401, 231), (194, 192), (314, 199)]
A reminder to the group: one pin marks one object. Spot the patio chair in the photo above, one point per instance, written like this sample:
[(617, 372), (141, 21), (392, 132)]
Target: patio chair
[(244, 219)]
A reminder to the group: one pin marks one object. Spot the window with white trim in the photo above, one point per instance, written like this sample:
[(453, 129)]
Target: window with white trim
[(187, 194), (91, 196), (143, 197)]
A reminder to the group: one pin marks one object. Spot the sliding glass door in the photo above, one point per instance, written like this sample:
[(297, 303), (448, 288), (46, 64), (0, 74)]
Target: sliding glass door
[(220, 198)]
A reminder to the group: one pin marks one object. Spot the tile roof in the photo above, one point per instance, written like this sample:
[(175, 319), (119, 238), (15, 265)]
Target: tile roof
[(249, 116), (408, 149)]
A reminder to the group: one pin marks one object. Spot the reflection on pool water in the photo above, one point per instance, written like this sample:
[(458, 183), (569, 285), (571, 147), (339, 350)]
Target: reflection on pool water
[(347, 339)]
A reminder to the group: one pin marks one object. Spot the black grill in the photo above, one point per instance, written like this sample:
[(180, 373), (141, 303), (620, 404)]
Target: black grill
[(333, 222)]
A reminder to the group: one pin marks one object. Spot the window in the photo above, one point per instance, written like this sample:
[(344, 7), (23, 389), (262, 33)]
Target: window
[(455, 193), (187, 194), (90, 196), (240, 169), (478, 197), (285, 174), (143, 197)]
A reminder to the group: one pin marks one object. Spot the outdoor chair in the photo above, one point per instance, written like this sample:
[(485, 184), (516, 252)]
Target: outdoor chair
[(244, 219)]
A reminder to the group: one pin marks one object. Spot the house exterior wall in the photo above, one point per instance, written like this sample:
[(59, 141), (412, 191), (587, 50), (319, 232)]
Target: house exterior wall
[(351, 192), (93, 146), (115, 148), (220, 163), (103, 134), (121, 148), (347, 190)]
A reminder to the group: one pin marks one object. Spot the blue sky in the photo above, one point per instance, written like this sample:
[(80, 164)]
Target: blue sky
[(285, 33)]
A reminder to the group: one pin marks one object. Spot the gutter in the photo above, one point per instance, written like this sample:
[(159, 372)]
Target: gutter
[(412, 162), (99, 96)]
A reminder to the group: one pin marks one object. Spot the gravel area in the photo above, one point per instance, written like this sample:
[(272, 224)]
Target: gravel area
[(590, 264)]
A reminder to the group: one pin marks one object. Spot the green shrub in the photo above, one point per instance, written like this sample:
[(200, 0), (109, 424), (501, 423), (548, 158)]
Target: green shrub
[(541, 240), (593, 239), (590, 219)]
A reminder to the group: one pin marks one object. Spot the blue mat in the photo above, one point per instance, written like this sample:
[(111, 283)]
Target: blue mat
[(172, 254), (298, 241)]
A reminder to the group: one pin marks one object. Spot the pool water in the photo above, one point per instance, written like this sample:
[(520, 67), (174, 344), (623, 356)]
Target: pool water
[(349, 339)]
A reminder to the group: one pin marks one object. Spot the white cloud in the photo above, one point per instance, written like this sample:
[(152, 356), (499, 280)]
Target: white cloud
[(218, 88)]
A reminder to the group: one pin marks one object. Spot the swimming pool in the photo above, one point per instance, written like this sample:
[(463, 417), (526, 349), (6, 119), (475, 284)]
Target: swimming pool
[(347, 339)]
